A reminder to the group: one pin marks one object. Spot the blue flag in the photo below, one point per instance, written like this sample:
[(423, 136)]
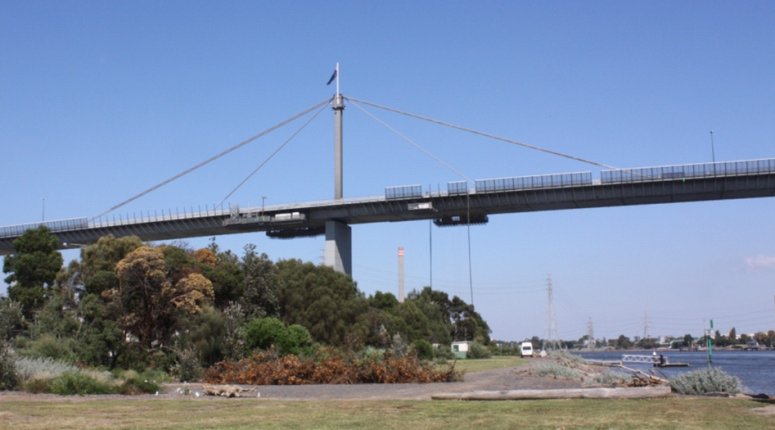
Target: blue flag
[(333, 76)]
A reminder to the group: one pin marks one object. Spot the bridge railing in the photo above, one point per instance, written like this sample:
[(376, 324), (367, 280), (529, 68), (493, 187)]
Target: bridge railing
[(533, 182), (403, 192), (457, 188), (165, 216), (688, 171), (54, 226)]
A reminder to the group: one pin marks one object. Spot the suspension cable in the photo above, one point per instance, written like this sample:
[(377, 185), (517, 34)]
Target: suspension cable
[(410, 141), (276, 151), (481, 133), (215, 157)]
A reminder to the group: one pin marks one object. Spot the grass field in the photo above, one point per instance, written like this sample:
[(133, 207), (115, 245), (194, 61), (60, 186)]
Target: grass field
[(62, 413), (673, 413), (471, 366)]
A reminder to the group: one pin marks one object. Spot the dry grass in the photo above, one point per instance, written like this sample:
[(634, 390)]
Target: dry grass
[(673, 413)]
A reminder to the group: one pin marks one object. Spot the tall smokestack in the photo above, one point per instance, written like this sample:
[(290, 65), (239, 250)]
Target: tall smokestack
[(401, 274)]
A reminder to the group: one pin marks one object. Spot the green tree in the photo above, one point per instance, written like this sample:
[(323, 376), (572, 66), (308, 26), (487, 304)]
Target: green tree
[(383, 301), (32, 268), (761, 338), (688, 341), (149, 300), (732, 336), (260, 284), (623, 342), (226, 276), (11, 319), (204, 333), (326, 302), (100, 338), (97, 269), (648, 343)]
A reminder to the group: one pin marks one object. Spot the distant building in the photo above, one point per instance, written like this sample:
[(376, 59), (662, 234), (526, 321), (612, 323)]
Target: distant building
[(460, 348)]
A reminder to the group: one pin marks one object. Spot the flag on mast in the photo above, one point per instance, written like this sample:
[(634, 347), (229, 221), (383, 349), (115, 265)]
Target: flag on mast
[(333, 75)]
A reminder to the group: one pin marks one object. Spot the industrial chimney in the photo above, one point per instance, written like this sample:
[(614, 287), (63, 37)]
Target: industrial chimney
[(401, 295)]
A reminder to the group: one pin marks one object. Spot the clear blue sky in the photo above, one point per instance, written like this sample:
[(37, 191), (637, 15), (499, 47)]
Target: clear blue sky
[(100, 100)]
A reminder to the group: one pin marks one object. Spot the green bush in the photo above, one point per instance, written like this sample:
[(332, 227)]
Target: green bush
[(36, 385), (48, 346), (443, 353), (296, 340), (262, 333), (265, 333), (478, 350), (705, 381), (188, 367), (71, 383), (424, 349), (135, 383), (612, 378), (9, 379), (556, 370)]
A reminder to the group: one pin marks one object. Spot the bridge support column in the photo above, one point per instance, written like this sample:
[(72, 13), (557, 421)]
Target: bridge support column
[(338, 253)]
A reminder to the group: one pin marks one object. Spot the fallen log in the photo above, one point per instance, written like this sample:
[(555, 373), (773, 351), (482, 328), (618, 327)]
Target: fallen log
[(222, 390), (563, 393)]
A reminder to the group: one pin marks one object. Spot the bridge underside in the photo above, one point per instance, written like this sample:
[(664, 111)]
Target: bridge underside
[(334, 218)]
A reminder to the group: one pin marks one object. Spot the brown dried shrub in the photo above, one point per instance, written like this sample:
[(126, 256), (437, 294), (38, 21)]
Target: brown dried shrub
[(328, 367)]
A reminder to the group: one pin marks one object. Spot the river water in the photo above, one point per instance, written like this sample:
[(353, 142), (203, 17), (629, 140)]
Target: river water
[(756, 369)]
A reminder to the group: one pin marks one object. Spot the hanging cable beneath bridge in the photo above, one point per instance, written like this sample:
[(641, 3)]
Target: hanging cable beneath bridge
[(276, 151), (215, 157), (481, 133)]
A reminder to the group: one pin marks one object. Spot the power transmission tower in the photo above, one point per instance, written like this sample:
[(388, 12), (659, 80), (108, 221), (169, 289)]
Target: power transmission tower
[(552, 340)]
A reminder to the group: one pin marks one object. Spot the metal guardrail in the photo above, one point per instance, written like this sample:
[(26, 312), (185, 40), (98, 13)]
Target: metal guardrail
[(533, 182), (403, 192), (457, 188), (688, 171), (54, 226)]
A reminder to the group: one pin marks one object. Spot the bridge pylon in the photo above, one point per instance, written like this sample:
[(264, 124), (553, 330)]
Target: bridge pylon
[(338, 250)]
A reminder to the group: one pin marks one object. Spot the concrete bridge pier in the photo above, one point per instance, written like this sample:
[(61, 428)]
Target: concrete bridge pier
[(338, 251)]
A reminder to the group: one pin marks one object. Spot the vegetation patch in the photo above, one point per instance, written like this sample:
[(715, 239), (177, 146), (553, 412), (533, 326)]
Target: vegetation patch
[(70, 383), (327, 367), (9, 378), (681, 412), (710, 380)]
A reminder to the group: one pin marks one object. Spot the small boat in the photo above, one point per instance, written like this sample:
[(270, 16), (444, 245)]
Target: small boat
[(671, 364), (662, 362)]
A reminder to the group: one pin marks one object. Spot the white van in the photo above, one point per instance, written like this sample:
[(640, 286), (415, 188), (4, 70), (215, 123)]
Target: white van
[(526, 349)]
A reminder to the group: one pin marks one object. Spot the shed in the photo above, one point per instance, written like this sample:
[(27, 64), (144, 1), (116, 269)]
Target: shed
[(460, 348)]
